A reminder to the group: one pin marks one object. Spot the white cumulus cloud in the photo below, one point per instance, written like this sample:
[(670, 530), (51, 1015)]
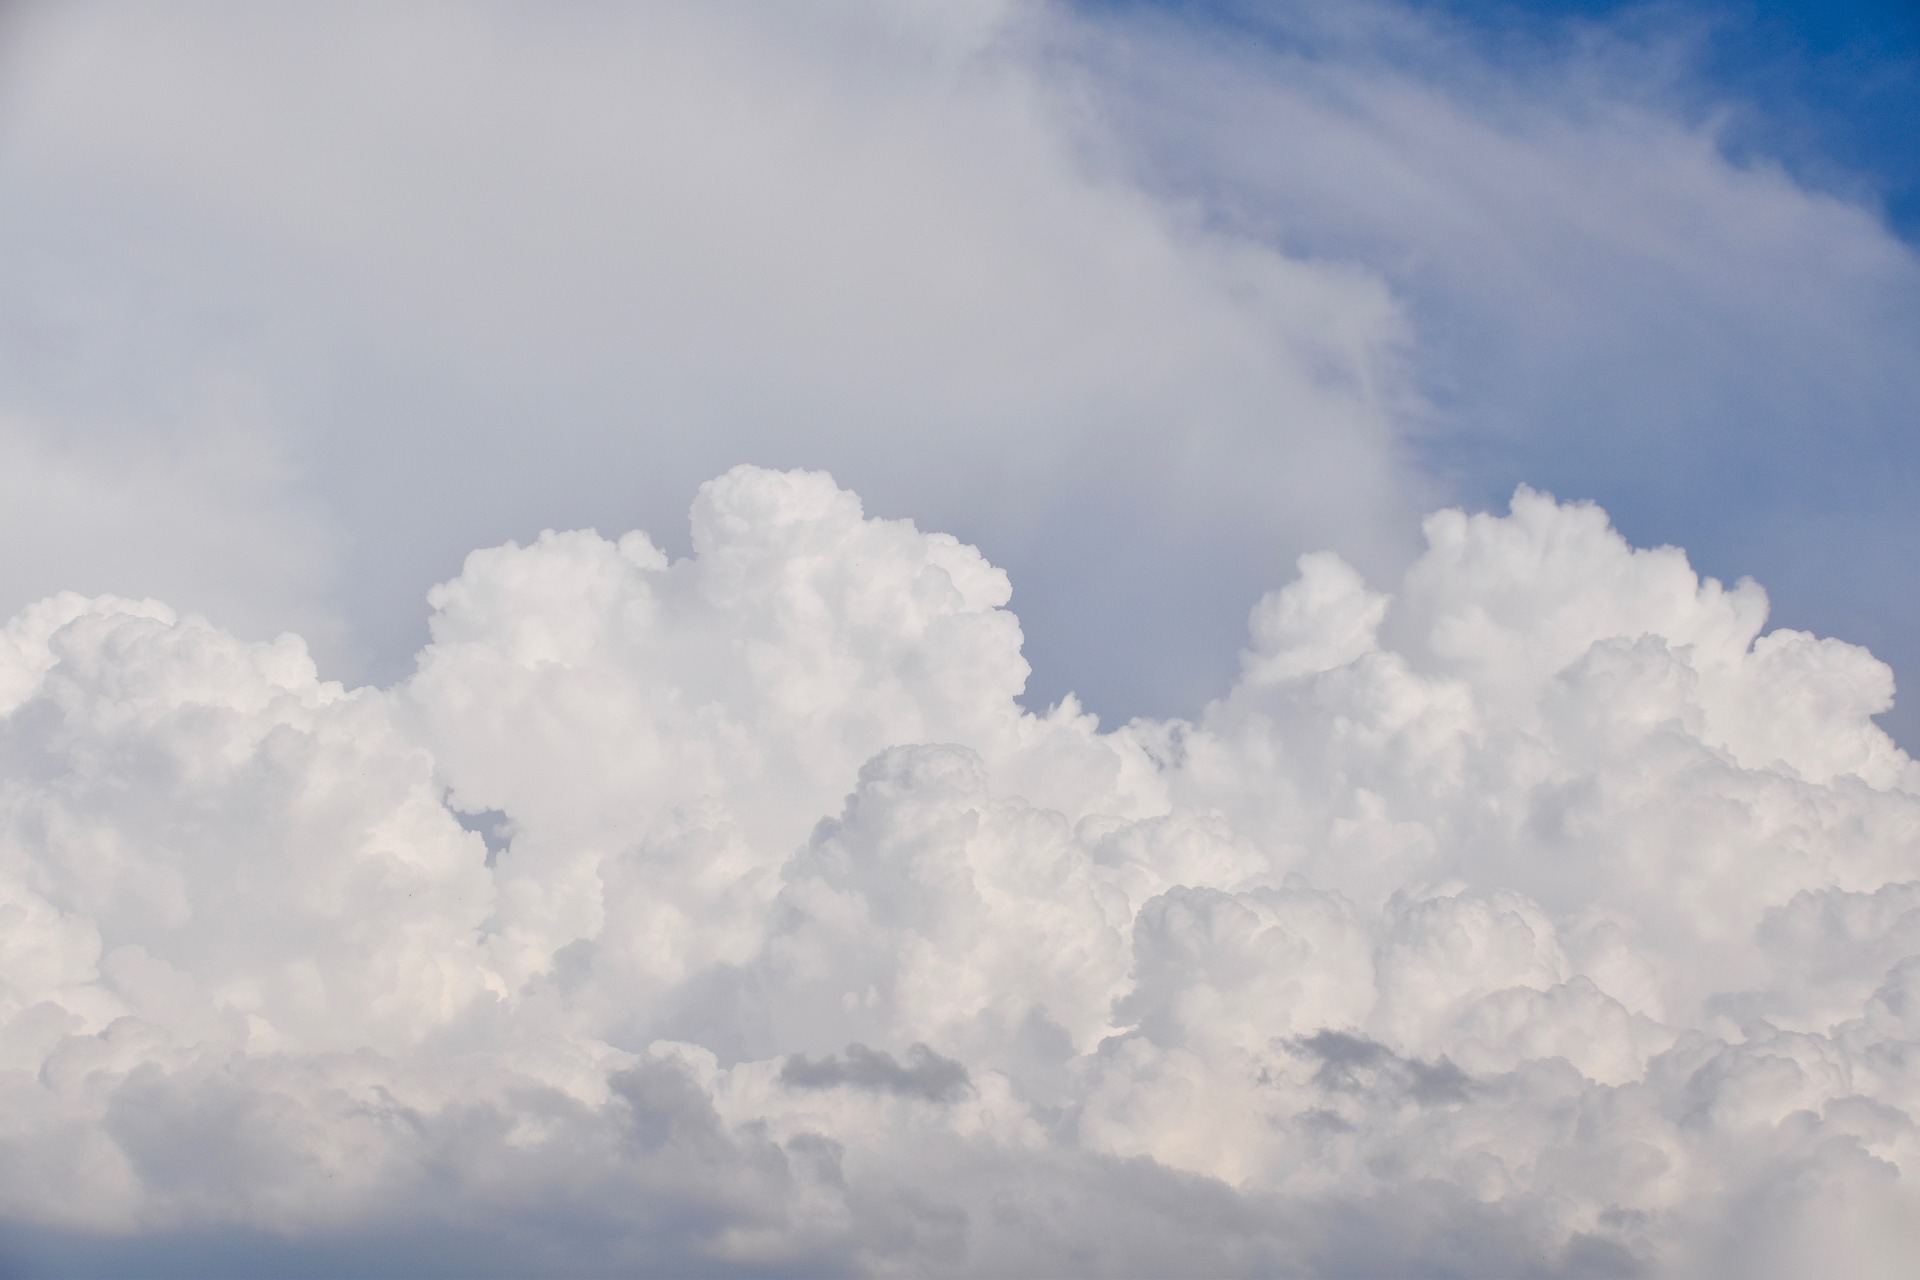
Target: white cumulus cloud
[(1539, 913)]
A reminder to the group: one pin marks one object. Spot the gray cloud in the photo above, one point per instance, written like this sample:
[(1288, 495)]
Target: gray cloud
[(558, 271), (925, 1074), (1351, 1063)]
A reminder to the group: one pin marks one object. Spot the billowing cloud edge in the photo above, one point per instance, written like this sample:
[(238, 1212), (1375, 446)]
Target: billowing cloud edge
[(1545, 915)]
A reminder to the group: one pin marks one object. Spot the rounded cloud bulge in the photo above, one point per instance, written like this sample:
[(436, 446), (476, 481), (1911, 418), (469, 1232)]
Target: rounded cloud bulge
[(1537, 913)]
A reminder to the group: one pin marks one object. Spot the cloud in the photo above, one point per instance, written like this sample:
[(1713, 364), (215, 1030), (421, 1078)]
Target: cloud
[(1538, 914), (1606, 291), (205, 513), (557, 269), (1107, 297), (928, 1075), (713, 903)]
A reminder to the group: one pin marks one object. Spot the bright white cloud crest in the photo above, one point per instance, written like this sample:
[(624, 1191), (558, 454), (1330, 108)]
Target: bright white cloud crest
[(1543, 917)]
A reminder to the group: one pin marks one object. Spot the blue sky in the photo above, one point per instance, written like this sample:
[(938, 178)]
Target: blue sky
[(1830, 90)]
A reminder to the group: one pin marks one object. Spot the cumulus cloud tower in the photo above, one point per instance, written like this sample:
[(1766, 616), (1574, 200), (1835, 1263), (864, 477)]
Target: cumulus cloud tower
[(1540, 914)]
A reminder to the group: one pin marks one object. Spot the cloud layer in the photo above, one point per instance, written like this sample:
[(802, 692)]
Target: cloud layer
[(1544, 916), (304, 305), (472, 271), (1609, 296)]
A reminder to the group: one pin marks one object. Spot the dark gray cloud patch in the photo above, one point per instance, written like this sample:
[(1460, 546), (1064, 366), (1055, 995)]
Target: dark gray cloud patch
[(924, 1075), (1355, 1064), (493, 827)]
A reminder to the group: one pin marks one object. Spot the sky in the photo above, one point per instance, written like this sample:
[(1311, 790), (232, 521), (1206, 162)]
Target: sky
[(987, 637)]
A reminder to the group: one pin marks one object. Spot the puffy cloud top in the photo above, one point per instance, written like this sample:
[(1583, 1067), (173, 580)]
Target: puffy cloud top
[(1541, 916)]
